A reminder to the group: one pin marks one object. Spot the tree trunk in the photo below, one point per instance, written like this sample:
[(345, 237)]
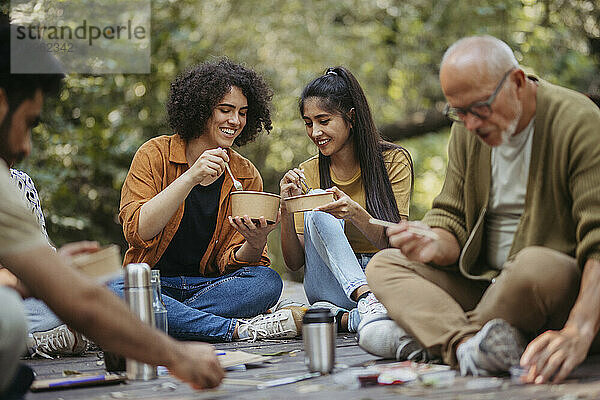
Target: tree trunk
[(418, 124)]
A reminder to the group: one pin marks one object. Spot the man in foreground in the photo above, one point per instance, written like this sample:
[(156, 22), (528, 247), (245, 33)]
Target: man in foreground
[(518, 223), (42, 273)]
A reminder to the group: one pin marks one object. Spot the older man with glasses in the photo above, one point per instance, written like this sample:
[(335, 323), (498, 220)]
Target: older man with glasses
[(513, 278)]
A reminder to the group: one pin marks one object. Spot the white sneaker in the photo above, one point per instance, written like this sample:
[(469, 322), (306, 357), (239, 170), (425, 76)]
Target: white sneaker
[(369, 307), (495, 348), (381, 336), (277, 325), (335, 310), (60, 341), (288, 303), (298, 310)]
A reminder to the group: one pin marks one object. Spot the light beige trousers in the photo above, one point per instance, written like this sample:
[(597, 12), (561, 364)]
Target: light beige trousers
[(12, 335), (440, 307)]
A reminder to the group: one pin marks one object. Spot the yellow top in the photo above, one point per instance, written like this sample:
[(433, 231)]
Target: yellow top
[(398, 168)]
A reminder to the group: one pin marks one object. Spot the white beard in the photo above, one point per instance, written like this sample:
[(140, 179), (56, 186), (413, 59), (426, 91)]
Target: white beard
[(512, 127)]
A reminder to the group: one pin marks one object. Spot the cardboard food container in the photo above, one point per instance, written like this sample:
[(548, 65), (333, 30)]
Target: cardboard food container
[(307, 202), (255, 205), (101, 265)]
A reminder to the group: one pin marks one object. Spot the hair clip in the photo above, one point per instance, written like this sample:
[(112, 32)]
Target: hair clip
[(330, 71)]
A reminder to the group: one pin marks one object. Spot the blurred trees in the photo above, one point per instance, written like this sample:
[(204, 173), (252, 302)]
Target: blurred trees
[(83, 151)]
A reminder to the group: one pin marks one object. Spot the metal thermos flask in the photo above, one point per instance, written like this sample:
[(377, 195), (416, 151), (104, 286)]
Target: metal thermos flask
[(318, 333), (138, 295)]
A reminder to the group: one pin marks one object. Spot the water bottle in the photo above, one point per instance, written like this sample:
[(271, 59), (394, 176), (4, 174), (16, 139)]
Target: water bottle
[(158, 306), (137, 290)]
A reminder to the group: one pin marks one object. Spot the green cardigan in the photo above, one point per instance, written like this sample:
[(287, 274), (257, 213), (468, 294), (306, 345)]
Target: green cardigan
[(562, 204)]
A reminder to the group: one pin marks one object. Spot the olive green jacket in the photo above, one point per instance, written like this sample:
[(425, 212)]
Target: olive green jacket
[(562, 204)]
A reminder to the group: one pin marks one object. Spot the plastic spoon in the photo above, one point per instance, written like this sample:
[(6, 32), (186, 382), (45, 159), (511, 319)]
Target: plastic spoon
[(237, 184)]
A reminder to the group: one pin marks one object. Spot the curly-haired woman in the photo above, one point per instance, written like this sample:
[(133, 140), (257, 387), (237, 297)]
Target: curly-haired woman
[(175, 204)]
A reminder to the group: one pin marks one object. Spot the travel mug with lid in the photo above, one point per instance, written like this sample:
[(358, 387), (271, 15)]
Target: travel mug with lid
[(318, 333), (138, 295)]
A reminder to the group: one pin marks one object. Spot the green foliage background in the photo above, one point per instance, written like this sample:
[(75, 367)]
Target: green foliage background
[(84, 148)]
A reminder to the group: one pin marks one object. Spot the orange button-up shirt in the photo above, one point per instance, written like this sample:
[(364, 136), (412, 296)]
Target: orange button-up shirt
[(156, 164)]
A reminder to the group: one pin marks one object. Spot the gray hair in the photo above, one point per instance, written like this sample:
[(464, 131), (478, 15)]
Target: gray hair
[(493, 55)]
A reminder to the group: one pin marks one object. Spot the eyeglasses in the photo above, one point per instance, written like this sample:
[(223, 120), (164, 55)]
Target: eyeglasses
[(480, 109)]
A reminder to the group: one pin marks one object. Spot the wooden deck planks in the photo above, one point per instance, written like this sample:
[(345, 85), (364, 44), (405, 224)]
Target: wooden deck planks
[(585, 382)]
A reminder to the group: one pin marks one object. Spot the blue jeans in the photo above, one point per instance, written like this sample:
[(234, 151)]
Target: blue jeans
[(332, 270), (39, 316), (200, 308)]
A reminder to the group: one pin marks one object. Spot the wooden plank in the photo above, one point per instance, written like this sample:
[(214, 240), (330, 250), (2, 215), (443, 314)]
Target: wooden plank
[(585, 382)]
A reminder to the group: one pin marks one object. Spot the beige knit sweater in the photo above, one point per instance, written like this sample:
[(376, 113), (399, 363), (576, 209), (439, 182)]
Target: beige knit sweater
[(562, 204)]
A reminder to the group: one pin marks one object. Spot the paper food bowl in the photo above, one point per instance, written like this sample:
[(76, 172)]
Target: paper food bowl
[(102, 264), (307, 202), (255, 205)]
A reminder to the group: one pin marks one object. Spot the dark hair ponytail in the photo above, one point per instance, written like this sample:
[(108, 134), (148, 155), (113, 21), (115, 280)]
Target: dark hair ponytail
[(340, 92)]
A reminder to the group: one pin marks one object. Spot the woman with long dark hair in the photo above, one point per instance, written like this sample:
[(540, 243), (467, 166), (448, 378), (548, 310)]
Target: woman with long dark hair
[(369, 178)]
